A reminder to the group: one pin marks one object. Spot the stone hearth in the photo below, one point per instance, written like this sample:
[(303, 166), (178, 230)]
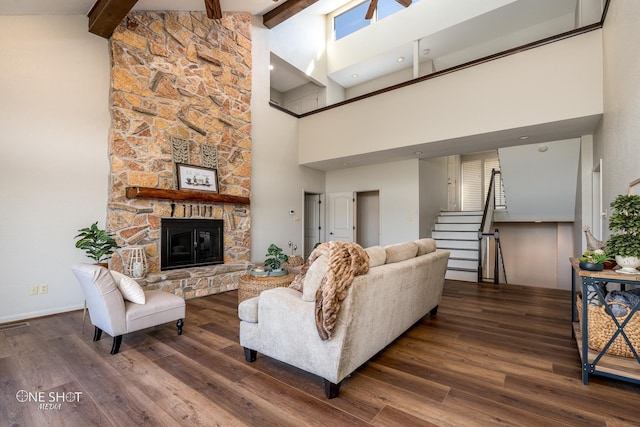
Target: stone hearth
[(198, 281), (180, 93)]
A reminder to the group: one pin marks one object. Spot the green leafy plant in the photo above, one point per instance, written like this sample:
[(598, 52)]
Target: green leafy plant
[(595, 257), (97, 244), (275, 257), (625, 223)]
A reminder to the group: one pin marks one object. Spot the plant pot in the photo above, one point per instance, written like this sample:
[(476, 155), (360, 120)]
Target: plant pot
[(591, 266), (628, 264)]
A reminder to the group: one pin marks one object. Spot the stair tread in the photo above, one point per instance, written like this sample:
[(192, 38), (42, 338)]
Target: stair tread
[(462, 269), (455, 240)]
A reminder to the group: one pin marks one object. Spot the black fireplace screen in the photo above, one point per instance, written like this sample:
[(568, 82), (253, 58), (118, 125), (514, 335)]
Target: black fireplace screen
[(190, 243)]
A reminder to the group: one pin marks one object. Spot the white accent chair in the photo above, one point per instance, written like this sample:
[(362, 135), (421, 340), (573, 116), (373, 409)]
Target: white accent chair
[(111, 313)]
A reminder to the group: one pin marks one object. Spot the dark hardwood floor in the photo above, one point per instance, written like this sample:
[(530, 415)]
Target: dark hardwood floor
[(490, 357)]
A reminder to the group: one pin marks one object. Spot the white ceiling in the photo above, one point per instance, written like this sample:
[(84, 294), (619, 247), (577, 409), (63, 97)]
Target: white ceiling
[(80, 7)]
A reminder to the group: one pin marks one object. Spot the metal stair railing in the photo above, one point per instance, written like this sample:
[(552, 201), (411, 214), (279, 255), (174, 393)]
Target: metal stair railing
[(484, 235)]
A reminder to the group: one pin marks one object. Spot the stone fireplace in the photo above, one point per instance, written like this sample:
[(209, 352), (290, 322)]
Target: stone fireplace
[(180, 93)]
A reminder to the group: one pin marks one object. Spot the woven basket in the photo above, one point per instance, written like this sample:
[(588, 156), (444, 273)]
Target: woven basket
[(251, 286), (602, 327), (294, 261)]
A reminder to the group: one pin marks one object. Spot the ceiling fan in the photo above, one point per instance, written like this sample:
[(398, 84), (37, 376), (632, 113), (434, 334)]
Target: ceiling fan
[(374, 4)]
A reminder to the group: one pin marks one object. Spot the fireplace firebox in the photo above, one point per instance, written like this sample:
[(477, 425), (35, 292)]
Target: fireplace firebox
[(190, 242)]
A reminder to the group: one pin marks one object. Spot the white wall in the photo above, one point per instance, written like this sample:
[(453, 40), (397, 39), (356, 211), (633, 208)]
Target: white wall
[(433, 192), (54, 87), (398, 183), (537, 254), (551, 196), (307, 53), (617, 139), (555, 82), (278, 183)]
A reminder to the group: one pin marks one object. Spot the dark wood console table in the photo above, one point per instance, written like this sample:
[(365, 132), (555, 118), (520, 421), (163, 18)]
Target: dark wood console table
[(594, 362)]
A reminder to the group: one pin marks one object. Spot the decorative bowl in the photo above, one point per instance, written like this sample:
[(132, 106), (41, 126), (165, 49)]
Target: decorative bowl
[(591, 266)]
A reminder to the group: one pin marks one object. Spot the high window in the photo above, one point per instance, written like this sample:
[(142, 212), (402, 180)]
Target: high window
[(351, 21), (354, 19)]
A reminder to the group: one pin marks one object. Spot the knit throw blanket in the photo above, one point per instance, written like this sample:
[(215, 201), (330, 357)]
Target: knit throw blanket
[(346, 260)]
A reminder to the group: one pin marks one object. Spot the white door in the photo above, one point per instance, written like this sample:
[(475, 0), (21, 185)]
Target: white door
[(312, 222), (341, 217)]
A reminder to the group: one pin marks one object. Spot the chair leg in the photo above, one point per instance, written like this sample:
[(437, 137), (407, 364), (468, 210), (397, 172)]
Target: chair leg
[(434, 311), (97, 334), (331, 390), (179, 324), (250, 355), (116, 344)]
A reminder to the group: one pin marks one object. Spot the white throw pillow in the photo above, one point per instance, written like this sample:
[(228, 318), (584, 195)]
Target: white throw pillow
[(129, 288), (313, 278)]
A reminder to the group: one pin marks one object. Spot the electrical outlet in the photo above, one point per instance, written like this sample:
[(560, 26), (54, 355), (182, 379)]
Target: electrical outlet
[(33, 290), (44, 288)]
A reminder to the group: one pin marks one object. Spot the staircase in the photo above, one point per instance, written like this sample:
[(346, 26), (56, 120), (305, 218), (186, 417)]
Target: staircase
[(458, 233)]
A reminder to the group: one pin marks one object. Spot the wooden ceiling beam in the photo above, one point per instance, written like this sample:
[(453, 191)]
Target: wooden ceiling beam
[(106, 15), (214, 11), (285, 11)]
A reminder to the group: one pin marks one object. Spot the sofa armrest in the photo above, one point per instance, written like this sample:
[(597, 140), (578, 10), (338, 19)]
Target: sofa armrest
[(286, 331)]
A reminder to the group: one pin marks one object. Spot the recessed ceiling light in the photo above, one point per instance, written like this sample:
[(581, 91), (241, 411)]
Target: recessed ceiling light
[(354, 75), (524, 137), (400, 59), (271, 67), (417, 153), (426, 52), (543, 148)]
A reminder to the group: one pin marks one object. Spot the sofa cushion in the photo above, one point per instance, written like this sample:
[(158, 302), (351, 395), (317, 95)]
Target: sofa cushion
[(401, 251), (317, 271), (377, 256), (426, 246), (129, 288)]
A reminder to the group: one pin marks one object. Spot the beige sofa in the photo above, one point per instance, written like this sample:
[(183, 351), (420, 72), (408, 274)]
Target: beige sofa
[(403, 284)]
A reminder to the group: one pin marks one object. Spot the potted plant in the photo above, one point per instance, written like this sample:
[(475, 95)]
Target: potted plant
[(624, 244), (594, 260), (97, 244), (275, 258)]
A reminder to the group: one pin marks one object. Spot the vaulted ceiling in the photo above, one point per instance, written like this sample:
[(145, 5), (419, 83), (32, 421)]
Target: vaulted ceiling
[(105, 15)]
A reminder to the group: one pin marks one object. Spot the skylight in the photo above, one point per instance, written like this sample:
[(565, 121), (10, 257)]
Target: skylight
[(353, 19)]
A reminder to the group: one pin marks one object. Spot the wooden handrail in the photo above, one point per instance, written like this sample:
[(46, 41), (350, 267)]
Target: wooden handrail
[(489, 206)]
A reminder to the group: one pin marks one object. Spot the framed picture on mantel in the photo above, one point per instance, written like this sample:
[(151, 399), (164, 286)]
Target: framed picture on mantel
[(192, 177)]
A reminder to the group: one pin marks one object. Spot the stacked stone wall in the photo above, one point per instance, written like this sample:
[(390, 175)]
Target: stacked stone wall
[(180, 93)]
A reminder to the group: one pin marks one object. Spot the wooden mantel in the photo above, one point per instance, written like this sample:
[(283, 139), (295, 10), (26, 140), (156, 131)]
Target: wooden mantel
[(184, 195)]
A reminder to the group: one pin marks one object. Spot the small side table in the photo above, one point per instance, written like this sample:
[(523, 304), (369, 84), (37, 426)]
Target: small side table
[(251, 286)]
